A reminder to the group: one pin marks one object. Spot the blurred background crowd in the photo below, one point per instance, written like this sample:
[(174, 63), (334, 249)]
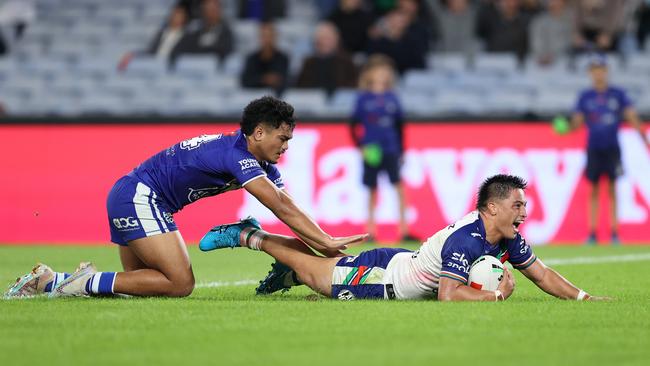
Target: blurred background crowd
[(455, 58)]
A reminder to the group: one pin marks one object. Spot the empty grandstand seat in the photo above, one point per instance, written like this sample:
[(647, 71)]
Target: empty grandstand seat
[(550, 102), (507, 102), (342, 102), (234, 64), (307, 101), (236, 102), (195, 66), (448, 62), (208, 104), (416, 104), (146, 67), (499, 63), (424, 80), (245, 34), (103, 103)]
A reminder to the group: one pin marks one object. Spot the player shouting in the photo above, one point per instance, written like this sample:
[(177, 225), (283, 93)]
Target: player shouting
[(439, 269)]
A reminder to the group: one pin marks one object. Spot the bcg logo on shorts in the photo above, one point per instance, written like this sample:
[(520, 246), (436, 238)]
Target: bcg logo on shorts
[(125, 222)]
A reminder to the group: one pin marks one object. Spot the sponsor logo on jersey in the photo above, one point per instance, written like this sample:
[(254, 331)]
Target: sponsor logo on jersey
[(195, 142), (346, 295), (351, 259), (248, 163), (126, 223), (197, 194), (168, 217), (278, 182), (459, 262), (477, 235)]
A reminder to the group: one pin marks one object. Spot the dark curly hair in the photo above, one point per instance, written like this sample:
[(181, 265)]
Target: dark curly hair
[(498, 186), (268, 110)]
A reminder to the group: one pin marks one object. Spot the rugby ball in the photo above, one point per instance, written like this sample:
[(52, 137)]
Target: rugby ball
[(485, 273)]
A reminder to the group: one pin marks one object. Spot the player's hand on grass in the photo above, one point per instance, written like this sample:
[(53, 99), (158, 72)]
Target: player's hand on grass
[(507, 284)]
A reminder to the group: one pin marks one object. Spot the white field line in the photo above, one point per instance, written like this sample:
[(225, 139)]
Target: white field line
[(226, 283), (596, 260), (549, 261)]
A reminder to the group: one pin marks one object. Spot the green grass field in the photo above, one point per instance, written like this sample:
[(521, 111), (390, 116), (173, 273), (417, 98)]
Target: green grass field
[(223, 323)]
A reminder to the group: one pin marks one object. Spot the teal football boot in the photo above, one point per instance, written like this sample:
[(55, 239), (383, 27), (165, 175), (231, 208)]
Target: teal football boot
[(227, 235)]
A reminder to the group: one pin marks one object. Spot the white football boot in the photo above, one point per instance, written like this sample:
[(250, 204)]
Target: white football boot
[(32, 284), (75, 285)]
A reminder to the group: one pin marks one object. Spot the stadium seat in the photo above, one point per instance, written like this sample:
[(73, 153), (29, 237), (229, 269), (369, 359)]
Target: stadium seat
[(235, 102), (146, 67), (102, 103), (417, 104), (307, 101), (201, 104), (245, 34), (507, 102), (341, 104), (448, 62), (233, 65), (424, 81), (550, 102), (195, 66), (496, 63)]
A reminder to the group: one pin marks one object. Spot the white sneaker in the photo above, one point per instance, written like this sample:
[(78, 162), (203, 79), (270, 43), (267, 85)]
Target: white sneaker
[(31, 284), (75, 285)]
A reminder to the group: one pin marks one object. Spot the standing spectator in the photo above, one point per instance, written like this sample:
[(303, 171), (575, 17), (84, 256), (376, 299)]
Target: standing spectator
[(261, 10), (422, 19), (329, 67), (643, 19), (551, 33), (171, 33), (3, 45), (192, 7), (457, 21), (212, 35), (17, 15), (603, 108), (267, 67), (377, 127), (503, 27), (393, 37), (599, 24), (352, 22)]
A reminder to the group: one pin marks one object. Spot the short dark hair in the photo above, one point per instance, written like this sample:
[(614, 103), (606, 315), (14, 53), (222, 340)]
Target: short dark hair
[(269, 111), (498, 186)]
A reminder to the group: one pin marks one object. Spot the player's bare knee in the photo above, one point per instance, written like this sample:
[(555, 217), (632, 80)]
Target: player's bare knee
[(181, 286)]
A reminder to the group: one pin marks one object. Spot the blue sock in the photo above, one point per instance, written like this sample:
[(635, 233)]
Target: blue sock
[(58, 277), (101, 283)]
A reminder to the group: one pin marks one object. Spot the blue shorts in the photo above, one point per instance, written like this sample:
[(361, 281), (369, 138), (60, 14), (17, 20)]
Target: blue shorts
[(362, 276), (136, 211), (604, 162), (389, 164)]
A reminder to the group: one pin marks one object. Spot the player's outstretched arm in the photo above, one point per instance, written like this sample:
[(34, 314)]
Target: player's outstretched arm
[(454, 290), (283, 206), (554, 284)]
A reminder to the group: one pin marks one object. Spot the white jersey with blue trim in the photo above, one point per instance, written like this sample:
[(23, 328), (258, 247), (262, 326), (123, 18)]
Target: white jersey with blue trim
[(450, 253), (203, 166)]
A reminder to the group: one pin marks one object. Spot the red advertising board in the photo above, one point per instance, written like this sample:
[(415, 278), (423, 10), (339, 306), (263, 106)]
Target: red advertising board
[(54, 180)]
